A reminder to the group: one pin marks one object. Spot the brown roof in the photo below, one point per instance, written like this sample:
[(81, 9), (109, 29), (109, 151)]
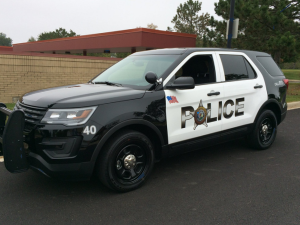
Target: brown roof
[(58, 55), (6, 48), (117, 41)]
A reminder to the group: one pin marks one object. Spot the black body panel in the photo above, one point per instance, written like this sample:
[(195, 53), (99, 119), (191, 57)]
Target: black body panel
[(53, 147), (63, 171), (59, 148), (81, 95)]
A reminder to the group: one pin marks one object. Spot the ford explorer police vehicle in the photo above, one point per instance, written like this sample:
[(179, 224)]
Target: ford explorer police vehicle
[(150, 105)]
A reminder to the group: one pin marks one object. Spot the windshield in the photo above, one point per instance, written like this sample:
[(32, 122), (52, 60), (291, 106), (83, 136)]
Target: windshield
[(131, 71)]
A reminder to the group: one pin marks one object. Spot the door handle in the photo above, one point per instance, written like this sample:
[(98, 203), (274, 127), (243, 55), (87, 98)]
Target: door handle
[(258, 86), (213, 93)]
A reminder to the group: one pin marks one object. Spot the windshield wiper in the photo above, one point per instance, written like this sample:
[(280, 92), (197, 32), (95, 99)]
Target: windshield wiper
[(108, 83)]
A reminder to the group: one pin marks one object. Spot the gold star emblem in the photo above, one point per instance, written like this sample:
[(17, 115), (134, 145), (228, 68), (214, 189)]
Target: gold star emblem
[(200, 115)]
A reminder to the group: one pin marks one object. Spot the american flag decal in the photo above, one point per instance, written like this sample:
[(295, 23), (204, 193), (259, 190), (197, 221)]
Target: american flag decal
[(172, 99)]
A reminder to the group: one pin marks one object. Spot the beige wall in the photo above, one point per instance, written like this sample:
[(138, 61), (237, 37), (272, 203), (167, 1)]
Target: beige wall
[(20, 74)]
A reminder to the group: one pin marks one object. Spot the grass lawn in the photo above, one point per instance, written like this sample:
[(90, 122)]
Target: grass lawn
[(293, 92), (10, 105), (292, 74)]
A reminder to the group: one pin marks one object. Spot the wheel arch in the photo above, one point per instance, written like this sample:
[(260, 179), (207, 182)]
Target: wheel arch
[(272, 105), (142, 126)]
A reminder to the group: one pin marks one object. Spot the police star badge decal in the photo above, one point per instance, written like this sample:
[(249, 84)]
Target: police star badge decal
[(200, 115)]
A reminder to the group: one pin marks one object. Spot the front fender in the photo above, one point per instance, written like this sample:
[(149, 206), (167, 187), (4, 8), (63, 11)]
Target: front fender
[(121, 125)]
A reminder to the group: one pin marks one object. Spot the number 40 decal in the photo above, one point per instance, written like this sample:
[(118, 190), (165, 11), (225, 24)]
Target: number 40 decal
[(90, 130)]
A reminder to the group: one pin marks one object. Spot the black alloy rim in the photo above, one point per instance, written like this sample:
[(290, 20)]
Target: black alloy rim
[(132, 174), (266, 130)]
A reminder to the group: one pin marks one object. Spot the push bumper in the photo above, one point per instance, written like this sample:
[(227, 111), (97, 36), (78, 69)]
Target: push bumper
[(17, 159), (11, 138)]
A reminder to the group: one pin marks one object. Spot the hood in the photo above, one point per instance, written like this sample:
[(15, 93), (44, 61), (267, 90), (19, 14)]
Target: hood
[(81, 95)]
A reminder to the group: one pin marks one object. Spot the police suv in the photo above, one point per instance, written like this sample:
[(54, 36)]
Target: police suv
[(149, 106)]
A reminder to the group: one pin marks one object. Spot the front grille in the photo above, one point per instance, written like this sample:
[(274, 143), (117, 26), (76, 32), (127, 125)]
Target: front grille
[(33, 115)]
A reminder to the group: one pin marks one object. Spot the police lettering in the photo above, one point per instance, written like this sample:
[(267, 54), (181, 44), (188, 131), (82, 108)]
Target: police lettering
[(188, 112)]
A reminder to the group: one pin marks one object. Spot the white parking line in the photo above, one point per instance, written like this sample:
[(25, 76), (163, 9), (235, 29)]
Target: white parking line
[(1, 159)]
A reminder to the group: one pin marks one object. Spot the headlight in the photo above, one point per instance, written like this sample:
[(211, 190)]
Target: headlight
[(68, 117)]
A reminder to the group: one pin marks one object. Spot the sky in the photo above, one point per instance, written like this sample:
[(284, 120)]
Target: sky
[(21, 19)]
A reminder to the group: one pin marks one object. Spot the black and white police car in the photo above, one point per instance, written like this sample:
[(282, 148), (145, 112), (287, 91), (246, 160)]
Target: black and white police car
[(150, 105)]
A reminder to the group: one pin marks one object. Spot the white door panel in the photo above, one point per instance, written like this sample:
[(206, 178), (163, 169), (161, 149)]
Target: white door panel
[(177, 131), (181, 123)]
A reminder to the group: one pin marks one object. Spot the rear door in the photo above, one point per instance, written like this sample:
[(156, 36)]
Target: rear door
[(193, 113), (244, 89)]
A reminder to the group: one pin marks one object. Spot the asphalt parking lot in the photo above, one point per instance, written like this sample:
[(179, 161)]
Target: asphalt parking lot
[(226, 184)]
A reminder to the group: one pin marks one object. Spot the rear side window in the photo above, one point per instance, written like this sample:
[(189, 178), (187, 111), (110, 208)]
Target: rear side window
[(270, 66), (250, 70), (236, 67)]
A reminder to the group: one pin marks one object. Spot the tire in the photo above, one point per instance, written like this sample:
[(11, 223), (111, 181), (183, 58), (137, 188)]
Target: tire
[(265, 130), (126, 161)]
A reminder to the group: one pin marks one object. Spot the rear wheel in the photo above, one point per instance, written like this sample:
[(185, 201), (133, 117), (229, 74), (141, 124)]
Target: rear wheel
[(264, 133), (126, 161)]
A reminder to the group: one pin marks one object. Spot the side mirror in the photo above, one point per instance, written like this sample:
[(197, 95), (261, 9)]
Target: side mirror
[(182, 83), (151, 77)]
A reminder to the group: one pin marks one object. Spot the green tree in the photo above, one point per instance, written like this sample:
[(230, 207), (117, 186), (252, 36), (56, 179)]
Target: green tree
[(204, 42), (109, 55), (169, 29), (31, 39), (122, 54), (188, 20), (58, 33), (5, 41), (263, 27)]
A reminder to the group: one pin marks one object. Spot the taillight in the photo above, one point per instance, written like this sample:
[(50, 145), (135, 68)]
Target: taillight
[(286, 82)]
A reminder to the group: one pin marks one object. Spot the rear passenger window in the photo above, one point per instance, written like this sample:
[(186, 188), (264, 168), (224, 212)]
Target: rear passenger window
[(236, 67), (271, 67)]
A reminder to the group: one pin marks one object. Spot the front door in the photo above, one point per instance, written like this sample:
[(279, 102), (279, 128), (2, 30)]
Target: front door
[(194, 113)]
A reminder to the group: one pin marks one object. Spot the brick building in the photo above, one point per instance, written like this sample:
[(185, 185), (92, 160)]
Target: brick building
[(44, 64)]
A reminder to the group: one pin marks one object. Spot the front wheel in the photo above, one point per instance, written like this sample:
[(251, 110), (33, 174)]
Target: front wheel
[(264, 133), (126, 161)]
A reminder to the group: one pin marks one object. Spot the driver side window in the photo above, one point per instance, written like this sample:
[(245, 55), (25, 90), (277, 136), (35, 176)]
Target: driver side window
[(200, 67)]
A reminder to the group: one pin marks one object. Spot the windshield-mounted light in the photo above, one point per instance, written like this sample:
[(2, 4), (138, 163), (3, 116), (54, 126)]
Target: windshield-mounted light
[(68, 117)]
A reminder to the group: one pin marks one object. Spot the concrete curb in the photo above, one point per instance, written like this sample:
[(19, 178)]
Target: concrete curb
[(293, 105), (294, 81)]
